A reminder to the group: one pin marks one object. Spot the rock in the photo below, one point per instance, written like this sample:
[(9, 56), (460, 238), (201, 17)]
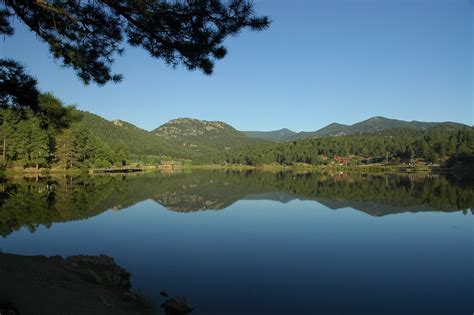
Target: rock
[(97, 269), (8, 309), (105, 270), (177, 306), (74, 285)]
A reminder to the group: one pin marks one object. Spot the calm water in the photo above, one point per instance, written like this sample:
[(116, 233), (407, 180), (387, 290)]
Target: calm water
[(262, 243)]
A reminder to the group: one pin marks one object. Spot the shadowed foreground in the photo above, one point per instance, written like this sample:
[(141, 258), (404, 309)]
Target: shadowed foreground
[(75, 285)]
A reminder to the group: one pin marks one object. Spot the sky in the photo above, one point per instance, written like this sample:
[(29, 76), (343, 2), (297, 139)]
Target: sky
[(321, 61)]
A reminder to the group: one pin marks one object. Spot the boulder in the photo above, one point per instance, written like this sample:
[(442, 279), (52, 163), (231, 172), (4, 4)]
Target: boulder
[(177, 306)]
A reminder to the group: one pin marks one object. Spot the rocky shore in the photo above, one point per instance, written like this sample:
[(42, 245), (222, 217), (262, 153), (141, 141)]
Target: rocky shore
[(73, 285)]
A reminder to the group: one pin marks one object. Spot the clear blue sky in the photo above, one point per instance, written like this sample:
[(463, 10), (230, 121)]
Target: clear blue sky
[(320, 62)]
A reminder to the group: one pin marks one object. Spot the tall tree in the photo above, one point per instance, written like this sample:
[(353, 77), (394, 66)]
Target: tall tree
[(41, 147), (66, 154), (121, 153)]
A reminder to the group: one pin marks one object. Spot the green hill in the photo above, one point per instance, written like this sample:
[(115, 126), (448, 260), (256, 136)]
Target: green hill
[(138, 141), (378, 123), (333, 129)]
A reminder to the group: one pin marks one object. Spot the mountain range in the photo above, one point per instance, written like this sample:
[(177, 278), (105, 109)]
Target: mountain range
[(199, 139), (374, 124)]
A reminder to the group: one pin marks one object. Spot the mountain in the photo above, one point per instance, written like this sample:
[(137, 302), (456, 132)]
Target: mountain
[(377, 124), (202, 137), (374, 124), (276, 135), (188, 128), (333, 129)]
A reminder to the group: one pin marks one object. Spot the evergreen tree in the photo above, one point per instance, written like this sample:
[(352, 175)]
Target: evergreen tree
[(66, 154), (121, 154), (40, 146)]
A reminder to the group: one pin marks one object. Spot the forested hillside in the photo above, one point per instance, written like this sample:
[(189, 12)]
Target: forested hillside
[(435, 145), (119, 133)]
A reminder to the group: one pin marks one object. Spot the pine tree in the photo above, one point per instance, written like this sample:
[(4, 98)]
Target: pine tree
[(88, 35), (66, 155), (40, 145), (121, 153)]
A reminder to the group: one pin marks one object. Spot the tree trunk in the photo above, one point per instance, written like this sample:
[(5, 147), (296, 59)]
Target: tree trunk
[(4, 150)]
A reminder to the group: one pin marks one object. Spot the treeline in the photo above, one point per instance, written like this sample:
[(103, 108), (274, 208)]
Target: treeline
[(436, 145), (55, 137)]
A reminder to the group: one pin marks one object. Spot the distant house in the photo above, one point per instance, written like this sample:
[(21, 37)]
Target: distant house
[(342, 160), (171, 165), (407, 160), (373, 160)]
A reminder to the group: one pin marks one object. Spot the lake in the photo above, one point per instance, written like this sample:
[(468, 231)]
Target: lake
[(261, 242)]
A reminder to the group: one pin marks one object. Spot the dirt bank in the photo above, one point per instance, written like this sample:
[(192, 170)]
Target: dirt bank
[(75, 285)]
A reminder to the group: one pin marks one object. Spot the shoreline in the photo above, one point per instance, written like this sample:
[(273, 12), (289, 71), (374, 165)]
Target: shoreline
[(376, 168), (73, 285)]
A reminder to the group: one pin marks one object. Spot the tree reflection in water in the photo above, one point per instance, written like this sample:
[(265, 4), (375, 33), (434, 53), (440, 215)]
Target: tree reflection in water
[(46, 200)]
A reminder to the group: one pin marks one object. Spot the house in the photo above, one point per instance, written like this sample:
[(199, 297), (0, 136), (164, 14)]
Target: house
[(342, 160), (171, 165)]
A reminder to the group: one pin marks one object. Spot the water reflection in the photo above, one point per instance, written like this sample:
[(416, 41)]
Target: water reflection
[(46, 200)]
